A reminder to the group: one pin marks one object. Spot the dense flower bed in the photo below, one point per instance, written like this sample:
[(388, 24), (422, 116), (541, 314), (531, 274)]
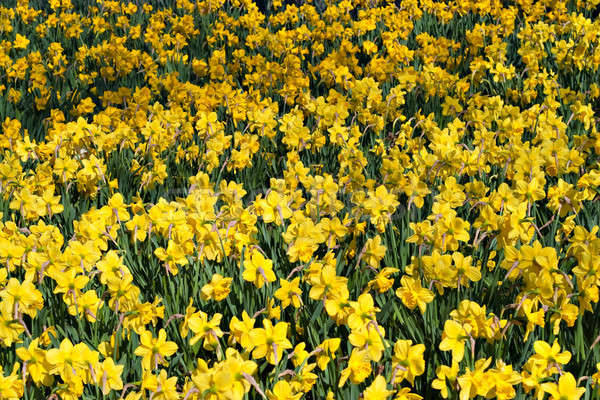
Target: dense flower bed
[(329, 200)]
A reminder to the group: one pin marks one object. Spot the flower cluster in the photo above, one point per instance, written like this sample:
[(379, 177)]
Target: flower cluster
[(322, 199)]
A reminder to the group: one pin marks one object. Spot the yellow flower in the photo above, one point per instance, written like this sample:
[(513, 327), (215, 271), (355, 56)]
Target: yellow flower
[(369, 47), (596, 376), (406, 394), (377, 390), (289, 292), (374, 251), (108, 376), (380, 205), (270, 341), (364, 311), (67, 360), (550, 357), (86, 106), (453, 339), (240, 330), (326, 281), (22, 297), (206, 330), (154, 350), (274, 208), (407, 361), (370, 338), (283, 391), (382, 281), (566, 389), (445, 374), (161, 386), (37, 365), (21, 42), (258, 269), (329, 348), (477, 381), (174, 255), (359, 367), (413, 294), (218, 288), (11, 387)]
